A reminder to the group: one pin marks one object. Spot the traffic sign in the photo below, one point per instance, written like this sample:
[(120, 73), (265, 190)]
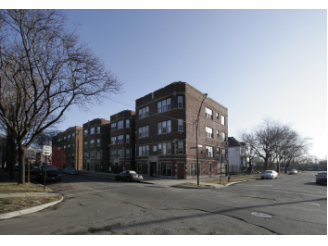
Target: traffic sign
[(46, 150)]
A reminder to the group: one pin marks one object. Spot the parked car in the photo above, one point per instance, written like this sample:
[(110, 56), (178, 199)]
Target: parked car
[(70, 170), (293, 171), (269, 174), (32, 170), (51, 172), (321, 178), (129, 175)]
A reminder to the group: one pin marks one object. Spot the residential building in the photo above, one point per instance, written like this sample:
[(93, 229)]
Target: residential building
[(166, 133), (96, 135), (237, 156), (122, 141), (67, 148)]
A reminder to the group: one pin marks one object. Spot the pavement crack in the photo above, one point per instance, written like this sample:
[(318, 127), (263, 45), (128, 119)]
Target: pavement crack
[(257, 197)]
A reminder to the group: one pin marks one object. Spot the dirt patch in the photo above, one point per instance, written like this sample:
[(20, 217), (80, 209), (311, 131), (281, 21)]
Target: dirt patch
[(12, 204)]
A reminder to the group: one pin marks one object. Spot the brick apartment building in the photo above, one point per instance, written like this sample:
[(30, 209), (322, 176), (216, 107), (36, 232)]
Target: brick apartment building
[(122, 136), (96, 135), (70, 141), (166, 130)]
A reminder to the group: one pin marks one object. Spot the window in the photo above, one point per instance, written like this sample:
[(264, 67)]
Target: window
[(139, 167), (193, 169), (64, 138), (143, 131), (68, 137), (217, 133), (166, 169), (72, 155), (210, 168), (208, 113), (98, 142), (127, 138), (164, 105), (144, 150), (93, 154), (73, 135), (218, 151), (144, 112), (164, 148), (155, 148), (92, 143), (68, 146), (159, 149), (86, 155), (222, 120), (98, 129), (85, 144), (113, 140), (209, 151), (127, 153), (127, 123), (217, 116), (73, 146), (113, 126), (223, 136), (120, 153), (164, 127), (85, 132), (120, 139), (92, 130), (180, 148), (180, 101), (223, 155), (64, 147), (209, 132), (98, 154), (113, 154), (180, 125), (120, 124)]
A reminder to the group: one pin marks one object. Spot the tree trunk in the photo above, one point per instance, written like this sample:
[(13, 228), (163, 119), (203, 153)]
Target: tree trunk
[(250, 166), (21, 159)]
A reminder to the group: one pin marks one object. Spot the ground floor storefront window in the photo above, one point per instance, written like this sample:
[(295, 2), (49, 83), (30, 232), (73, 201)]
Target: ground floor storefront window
[(166, 169)]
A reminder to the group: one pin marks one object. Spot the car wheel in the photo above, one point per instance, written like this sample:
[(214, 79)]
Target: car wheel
[(127, 179), (138, 181), (116, 178)]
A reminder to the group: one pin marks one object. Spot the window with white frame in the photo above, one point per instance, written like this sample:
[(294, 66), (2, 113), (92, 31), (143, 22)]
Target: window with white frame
[(120, 124), (99, 154), (180, 148), (180, 101), (98, 142), (127, 153), (164, 105), (127, 123), (120, 153), (120, 139), (143, 131), (92, 130), (144, 112), (85, 144), (159, 151), (113, 140), (180, 125), (166, 169), (223, 136), (85, 132), (222, 120), (209, 132), (164, 148), (208, 113), (92, 143), (155, 148), (164, 127), (98, 129), (144, 150), (127, 138), (209, 151), (193, 169), (113, 126)]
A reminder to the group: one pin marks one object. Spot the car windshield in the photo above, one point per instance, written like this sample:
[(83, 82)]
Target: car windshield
[(132, 171), (268, 172), (322, 174), (50, 168)]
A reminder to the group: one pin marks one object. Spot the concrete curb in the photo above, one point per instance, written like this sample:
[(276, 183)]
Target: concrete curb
[(233, 183), (186, 187), (29, 210)]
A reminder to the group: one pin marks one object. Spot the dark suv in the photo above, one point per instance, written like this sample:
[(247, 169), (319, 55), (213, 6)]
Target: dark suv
[(52, 174)]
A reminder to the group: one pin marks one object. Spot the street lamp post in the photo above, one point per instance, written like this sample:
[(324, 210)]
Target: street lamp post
[(197, 123)]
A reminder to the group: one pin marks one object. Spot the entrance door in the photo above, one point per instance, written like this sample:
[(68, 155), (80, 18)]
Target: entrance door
[(181, 170), (152, 169), (116, 168)]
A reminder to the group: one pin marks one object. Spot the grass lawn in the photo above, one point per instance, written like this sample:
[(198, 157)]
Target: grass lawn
[(12, 204), (10, 186)]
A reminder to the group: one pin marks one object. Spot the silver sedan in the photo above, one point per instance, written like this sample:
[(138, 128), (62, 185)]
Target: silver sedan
[(269, 174), (292, 171)]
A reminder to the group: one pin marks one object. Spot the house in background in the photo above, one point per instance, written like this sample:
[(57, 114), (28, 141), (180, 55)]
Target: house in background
[(237, 156)]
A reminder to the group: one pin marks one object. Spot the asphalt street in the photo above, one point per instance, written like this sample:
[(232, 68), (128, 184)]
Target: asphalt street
[(290, 205)]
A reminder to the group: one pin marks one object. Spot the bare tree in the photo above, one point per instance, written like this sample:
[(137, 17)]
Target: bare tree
[(250, 142), (44, 138), (44, 71)]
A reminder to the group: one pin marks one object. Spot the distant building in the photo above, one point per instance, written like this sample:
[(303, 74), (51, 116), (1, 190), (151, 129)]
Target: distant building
[(166, 133), (237, 156)]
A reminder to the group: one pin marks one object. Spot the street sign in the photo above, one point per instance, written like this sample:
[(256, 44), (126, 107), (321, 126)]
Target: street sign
[(193, 147), (46, 150), (199, 146)]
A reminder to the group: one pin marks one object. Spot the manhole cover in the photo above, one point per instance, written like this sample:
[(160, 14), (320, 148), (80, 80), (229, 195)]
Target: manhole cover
[(261, 215)]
